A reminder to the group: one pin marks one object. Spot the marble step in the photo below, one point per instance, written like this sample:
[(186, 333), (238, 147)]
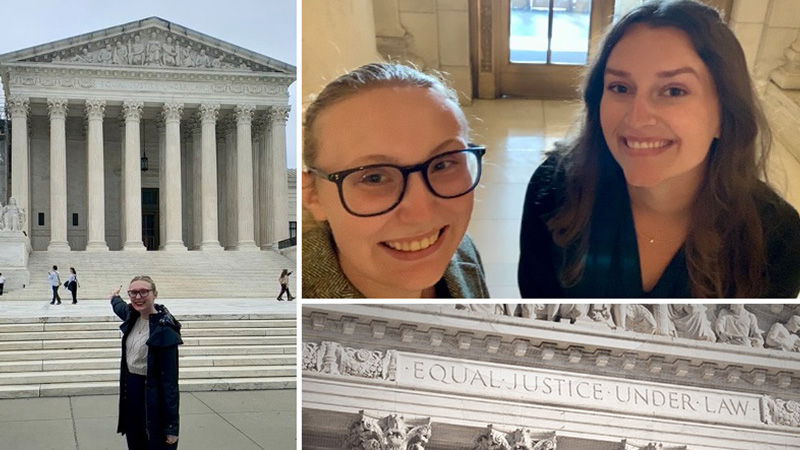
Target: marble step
[(46, 355), (112, 387), (186, 373), (100, 334), (70, 319), (109, 325), (20, 367), (114, 342)]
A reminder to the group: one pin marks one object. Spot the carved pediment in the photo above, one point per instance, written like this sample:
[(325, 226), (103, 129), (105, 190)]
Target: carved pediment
[(154, 43)]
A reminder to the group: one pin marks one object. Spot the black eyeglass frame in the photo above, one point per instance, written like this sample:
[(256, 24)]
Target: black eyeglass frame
[(338, 177)]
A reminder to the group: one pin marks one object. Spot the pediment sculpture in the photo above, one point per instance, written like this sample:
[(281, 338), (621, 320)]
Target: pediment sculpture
[(151, 47)]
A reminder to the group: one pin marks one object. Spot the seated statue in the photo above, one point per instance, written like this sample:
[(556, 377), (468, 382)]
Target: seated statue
[(784, 337), (738, 326), (635, 317), (691, 322), (12, 217)]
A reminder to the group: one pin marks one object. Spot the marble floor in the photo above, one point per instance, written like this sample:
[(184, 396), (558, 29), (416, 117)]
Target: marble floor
[(516, 134)]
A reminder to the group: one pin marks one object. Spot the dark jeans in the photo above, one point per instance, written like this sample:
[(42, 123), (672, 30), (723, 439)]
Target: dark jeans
[(285, 288), (73, 287), (1, 288), (136, 426), (55, 294)]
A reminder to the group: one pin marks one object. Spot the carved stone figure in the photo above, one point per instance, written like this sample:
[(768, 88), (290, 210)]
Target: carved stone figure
[(137, 50), (105, 55), (170, 53), (202, 59), (83, 56), (189, 56), (738, 326), (153, 50), (636, 318), (691, 322), (785, 337), (13, 217), (775, 411), (569, 311), (120, 53)]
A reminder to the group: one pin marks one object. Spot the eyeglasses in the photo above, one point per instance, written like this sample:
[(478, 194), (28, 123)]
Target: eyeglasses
[(142, 293), (378, 188)]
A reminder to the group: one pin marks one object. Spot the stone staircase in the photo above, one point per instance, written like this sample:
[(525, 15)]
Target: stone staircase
[(80, 355), (189, 274)]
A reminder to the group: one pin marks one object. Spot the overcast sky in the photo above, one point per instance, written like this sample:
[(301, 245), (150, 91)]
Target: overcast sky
[(268, 27)]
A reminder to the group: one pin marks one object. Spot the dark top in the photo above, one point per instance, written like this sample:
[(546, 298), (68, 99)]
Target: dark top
[(612, 262), (162, 394)]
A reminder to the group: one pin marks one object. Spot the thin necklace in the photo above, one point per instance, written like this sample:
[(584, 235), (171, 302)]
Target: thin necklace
[(652, 240)]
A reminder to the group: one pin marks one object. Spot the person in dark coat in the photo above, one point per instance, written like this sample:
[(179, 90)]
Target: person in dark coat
[(149, 394)]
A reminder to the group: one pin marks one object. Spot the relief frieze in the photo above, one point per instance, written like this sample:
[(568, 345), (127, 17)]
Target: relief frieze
[(334, 358)]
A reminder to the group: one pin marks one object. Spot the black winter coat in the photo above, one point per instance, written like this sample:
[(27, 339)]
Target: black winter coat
[(162, 393)]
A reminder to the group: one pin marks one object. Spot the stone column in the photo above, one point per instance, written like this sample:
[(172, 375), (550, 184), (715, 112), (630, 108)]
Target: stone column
[(231, 208), (172, 177), (264, 206), (195, 159), (57, 108), (244, 177), (132, 177), (278, 193), (208, 178), (258, 135), (787, 76), (95, 177), (222, 180), (162, 145), (20, 167)]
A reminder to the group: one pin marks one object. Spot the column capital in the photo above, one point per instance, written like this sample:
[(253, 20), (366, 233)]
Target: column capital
[(208, 112), (244, 113), (95, 109), (18, 106), (260, 125), (57, 108), (172, 111), (279, 114), (132, 109)]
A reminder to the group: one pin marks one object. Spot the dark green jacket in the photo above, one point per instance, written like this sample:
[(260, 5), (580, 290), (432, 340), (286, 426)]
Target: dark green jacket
[(323, 276)]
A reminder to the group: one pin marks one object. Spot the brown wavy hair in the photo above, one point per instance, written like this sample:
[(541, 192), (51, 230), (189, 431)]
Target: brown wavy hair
[(725, 248)]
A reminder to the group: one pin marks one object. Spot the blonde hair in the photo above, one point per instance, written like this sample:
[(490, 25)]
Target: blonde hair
[(146, 279)]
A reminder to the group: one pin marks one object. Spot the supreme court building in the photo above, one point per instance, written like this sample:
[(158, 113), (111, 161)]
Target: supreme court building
[(148, 135), (536, 377)]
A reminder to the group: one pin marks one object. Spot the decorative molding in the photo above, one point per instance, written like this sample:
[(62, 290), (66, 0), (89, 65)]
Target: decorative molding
[(279, 115), (172, 111), (519, 439), (57, 108), (95, 109), (244, 114), (209, 112), (775, 411), (626, 445), (136, 81), (18, 106), (388, 433), (132, 110), (334, 358)]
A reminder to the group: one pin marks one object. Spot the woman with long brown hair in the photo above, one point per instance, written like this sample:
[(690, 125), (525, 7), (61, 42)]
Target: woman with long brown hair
[(662, 193)]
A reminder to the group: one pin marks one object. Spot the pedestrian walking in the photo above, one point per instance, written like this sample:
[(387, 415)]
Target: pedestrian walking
[(284, 281), (2, 283), (72, 284), (55, 282), (148, 394)]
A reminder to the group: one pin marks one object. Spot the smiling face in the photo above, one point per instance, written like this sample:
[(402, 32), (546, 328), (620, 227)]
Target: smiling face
[(659, 111), (144, 305), (405, 251)]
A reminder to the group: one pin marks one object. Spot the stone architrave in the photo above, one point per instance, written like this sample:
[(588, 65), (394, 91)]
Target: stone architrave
[(19, 108), (244, 178), (57, 109), (172, 177), (95, 178), (208, 178), (132, 181), (278, 225)]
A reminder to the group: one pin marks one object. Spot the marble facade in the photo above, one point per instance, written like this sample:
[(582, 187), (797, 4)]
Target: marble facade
[(510, 376), (209, 117)]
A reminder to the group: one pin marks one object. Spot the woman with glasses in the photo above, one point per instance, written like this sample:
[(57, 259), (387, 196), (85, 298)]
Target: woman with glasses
[(662, 191), (148, 394), (388, 189)]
